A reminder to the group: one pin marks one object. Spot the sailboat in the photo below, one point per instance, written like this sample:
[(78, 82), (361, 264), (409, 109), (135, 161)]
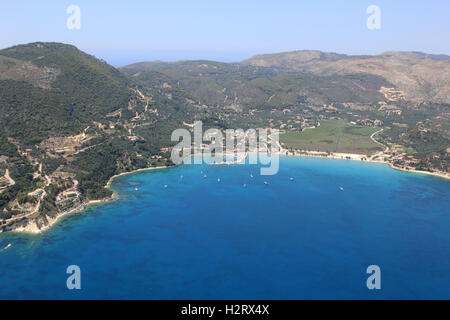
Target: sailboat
[(7, 247)]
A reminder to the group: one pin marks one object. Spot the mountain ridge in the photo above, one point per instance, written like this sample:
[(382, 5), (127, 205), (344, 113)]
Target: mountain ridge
[(423, 77)]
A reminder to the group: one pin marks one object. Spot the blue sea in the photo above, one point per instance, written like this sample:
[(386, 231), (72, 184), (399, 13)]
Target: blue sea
[(201, 239)]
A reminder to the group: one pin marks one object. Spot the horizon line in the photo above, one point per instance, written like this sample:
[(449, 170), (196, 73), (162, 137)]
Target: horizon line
[(232, 62)]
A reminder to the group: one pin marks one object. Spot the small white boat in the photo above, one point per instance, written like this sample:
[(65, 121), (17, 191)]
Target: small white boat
[(266, 183), (7, 247), (166, 186), (341, 188), (245, 186), (218, 180), (292, 179), (205, 176), (136, 189), (251, 176)]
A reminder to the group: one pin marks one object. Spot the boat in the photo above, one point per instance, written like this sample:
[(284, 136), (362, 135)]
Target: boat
[(341, 188), (218, 180), (166, 186), (205, 176), (7, 247), (251, 176), (245, 186), (266, 183), (136, 189), (292, 179)]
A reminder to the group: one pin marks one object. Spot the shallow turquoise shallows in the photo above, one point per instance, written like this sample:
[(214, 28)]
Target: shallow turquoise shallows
[(311, 238)]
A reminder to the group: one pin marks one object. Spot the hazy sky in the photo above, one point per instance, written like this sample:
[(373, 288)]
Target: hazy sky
[(123, 32)]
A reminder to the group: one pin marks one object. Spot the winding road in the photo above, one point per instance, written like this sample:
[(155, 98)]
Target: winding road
[(11, 181), (377, 142)]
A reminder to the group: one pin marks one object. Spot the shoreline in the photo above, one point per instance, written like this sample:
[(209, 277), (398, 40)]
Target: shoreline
[(32, 227), (342, 155), (435, 174), (367, 158), (108, 184)]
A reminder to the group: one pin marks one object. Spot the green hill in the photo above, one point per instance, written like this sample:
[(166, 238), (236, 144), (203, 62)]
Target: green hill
[(69, 120), (63, 91), (244, 86)]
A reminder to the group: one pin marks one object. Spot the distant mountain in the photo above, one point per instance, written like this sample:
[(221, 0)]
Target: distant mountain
[(240, 86), (422, 77)]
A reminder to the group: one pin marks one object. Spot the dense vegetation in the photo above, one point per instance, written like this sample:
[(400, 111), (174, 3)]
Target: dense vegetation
[(64, 93), (221, 84), (85, 89)]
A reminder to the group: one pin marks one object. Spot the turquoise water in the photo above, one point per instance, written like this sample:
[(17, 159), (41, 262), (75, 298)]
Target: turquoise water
[(200, 239)]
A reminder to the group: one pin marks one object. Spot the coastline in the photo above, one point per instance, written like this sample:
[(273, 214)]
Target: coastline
[(341, 156), (436, 174), (361, 157), (32, 227), (108, 184)]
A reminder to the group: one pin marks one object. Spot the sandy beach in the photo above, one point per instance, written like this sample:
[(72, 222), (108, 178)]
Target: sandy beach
[(359, 157), (108, 185), (436, 174)]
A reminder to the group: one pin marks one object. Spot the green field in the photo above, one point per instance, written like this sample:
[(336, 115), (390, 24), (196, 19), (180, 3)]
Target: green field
[(351, 138)]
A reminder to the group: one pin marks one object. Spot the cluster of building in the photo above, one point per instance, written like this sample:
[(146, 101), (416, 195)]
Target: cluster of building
[(368, 122), (392, 94), (68, 197), (296, 123)]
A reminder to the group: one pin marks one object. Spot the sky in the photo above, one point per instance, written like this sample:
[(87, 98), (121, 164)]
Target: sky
[(124, 32)]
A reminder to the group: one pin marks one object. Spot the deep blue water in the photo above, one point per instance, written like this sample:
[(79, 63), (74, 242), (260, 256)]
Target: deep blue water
[(200, 239)]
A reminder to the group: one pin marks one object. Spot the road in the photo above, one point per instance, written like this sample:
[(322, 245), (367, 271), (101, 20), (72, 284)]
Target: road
[(87, 148), (377, 142), (378, 154), (11, 181)]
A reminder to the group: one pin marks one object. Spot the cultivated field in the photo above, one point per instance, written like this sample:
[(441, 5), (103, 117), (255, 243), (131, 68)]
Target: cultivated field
[(333, 136)]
